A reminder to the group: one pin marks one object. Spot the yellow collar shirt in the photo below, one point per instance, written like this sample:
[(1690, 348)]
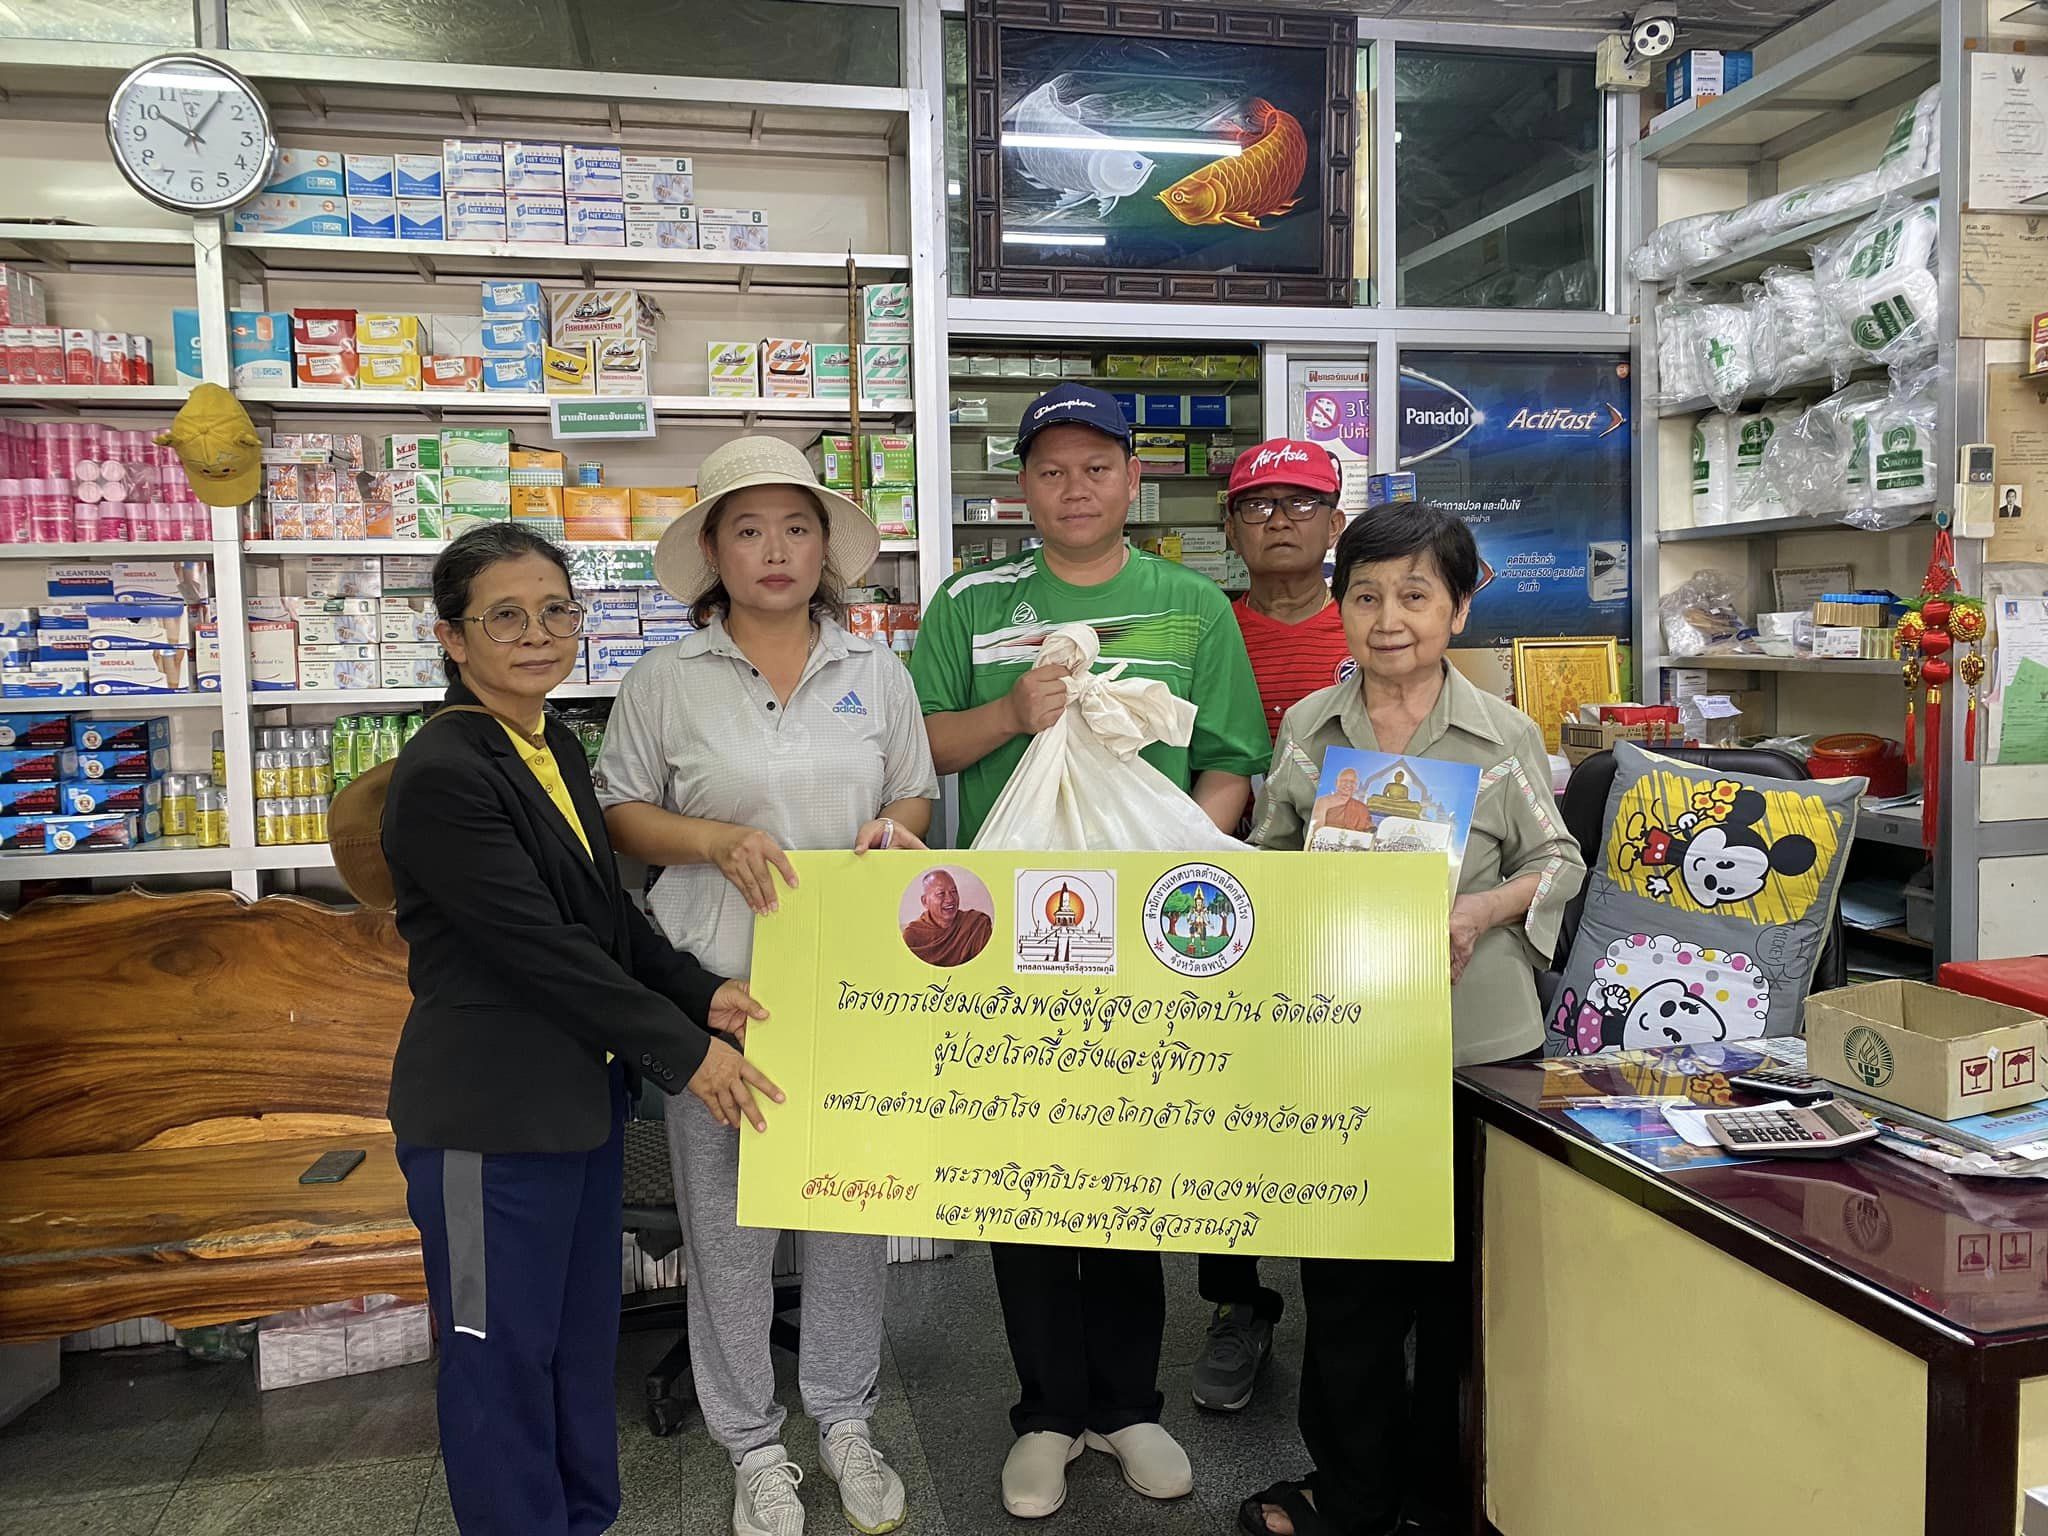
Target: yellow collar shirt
[(540, 761)]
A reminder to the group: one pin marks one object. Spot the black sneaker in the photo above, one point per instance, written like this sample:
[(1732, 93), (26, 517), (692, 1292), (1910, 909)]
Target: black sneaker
[(1240, 1343)]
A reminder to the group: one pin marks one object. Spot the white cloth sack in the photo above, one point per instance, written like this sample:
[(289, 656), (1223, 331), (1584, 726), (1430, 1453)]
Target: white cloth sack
[(1082, 787)]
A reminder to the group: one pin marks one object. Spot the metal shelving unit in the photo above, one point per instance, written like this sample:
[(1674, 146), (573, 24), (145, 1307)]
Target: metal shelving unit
[(366, 104), (1766, 527), (444, 402), (169, 549), (124, 703), (1877, 60)]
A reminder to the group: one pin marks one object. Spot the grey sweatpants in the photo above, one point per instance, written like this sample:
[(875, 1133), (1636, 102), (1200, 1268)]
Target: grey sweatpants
[(731, 1295)]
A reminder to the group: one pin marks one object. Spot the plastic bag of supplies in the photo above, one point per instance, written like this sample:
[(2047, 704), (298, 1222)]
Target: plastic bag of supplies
[(1082, 786)]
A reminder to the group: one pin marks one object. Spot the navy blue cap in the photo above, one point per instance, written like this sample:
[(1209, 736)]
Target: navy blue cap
[(1077, 405)]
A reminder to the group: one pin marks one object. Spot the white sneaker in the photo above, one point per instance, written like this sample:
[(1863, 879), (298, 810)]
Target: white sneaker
[(1152, 1460), (870, 1492), (764, 1499), (1035, 1473)]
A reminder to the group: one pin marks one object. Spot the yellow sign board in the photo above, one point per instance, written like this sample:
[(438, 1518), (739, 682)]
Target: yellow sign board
[(1247, 1053)]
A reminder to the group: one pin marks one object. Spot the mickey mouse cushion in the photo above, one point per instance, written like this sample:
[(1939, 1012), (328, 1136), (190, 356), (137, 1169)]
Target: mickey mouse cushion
[(1708, 908)]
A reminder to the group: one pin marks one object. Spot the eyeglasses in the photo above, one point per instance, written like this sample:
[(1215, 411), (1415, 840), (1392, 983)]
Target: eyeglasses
[(1259, 509), (508, 621)]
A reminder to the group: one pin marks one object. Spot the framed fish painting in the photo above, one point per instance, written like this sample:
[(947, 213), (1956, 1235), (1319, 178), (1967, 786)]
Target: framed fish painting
[(1158, 152)]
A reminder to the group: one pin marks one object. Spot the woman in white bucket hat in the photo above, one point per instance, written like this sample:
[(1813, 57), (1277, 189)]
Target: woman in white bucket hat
[(771, 727)]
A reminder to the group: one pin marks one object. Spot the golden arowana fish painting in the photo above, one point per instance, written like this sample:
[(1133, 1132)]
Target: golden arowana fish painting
[(1259, 182)]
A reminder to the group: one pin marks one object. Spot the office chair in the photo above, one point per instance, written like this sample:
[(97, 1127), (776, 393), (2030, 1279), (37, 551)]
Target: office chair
[(1584, 809), (650, 1217)]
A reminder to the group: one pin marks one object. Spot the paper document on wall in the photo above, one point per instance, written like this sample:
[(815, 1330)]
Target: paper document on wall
[(2008, 110)]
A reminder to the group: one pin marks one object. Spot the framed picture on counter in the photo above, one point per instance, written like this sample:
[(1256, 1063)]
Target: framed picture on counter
[(1554, 676), (1156, 152)]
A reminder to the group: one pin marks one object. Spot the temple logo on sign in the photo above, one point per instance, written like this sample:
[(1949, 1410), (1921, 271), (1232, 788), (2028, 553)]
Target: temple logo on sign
[(1066, 922)]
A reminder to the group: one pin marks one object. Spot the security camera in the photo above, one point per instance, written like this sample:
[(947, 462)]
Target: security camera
[(1653, 32)]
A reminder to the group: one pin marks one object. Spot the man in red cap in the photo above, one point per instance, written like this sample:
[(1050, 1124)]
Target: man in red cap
[(1283, 519), (1283, 522)]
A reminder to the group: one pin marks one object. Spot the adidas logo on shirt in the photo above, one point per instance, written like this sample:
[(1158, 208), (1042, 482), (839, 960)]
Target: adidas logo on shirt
[(850, 705)]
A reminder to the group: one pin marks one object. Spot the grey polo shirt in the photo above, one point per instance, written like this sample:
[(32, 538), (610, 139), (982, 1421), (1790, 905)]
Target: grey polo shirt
[(698, 731)]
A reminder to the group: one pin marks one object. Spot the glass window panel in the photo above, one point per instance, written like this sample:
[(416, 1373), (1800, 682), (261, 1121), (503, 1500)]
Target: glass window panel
[(800, 40), (1496, 181), (167, 22)]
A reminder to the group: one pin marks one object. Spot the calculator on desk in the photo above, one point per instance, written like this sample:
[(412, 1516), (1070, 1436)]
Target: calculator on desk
[(1786, 1082), (1826, 1129)]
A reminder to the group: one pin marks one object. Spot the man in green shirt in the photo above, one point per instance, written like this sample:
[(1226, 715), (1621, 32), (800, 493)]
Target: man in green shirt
[(1084, 1325)]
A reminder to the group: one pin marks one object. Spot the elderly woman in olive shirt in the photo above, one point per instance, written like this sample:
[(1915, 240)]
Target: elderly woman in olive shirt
[(1386, 1450)]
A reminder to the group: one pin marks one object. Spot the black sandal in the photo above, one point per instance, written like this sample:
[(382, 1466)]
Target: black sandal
[(1291, 1498)]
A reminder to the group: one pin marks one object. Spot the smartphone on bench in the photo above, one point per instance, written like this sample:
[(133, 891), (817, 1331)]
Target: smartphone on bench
[(332, 1167)]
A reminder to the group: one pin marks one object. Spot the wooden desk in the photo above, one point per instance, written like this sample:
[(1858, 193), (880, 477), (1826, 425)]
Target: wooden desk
[(1855, 1347)]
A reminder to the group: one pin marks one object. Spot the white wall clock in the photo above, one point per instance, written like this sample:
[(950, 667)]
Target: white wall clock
[(191, 134)]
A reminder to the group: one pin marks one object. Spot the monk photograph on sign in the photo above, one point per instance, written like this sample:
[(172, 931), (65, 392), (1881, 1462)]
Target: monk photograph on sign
[(947, 917), (1343, 809)]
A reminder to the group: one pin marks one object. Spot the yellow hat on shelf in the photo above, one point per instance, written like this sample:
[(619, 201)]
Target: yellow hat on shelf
[(215, 441)]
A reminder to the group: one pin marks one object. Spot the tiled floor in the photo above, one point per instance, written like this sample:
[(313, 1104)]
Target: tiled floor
[(149, 1442)]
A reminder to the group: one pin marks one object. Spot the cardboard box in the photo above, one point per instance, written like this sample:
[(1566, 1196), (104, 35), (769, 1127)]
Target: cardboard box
[(510, 375), (735, 369), (655, 507), (472, 165), (785, 368), (659, 234), (1648, 725), (420, 177), (533, 167), (598, 512), (593, 170), (1926, 1048), (831, 370), (510, 299), (260, 348), (884, 371), (536, 218), (410, 450), (596, 221), (272, 214), (885, 312), (372, 218), (103, 797), (892, 458), (379, 331), (370, 175), (422, 218), (308, 173), (569, 370), (476, 448), (474, 215), (388, 370)]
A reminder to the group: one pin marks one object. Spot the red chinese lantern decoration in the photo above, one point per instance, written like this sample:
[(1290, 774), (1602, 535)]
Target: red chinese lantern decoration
[(1933, 627)]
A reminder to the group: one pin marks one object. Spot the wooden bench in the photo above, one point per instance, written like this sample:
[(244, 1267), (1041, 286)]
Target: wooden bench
[(169, 1066)]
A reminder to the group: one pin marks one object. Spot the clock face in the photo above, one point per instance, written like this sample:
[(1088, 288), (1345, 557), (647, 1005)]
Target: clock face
[(191, 134)]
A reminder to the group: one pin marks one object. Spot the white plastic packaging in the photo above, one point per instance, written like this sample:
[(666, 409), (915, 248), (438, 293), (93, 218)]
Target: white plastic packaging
[(1914, 149), (1679, 247), (1903, 451), (1879, 281), (1720, 342), (1750, 494), (1793, 336), (1680, 376), (1713, 469), (1081, 784)]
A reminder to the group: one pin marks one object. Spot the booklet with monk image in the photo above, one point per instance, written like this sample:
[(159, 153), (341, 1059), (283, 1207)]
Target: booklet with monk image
[(1376, 802)]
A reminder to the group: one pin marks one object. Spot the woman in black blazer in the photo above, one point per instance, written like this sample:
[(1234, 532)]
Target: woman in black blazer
[(536, 986)]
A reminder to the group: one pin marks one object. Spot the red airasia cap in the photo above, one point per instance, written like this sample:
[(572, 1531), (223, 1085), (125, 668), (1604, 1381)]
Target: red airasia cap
[(1284, 461)]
